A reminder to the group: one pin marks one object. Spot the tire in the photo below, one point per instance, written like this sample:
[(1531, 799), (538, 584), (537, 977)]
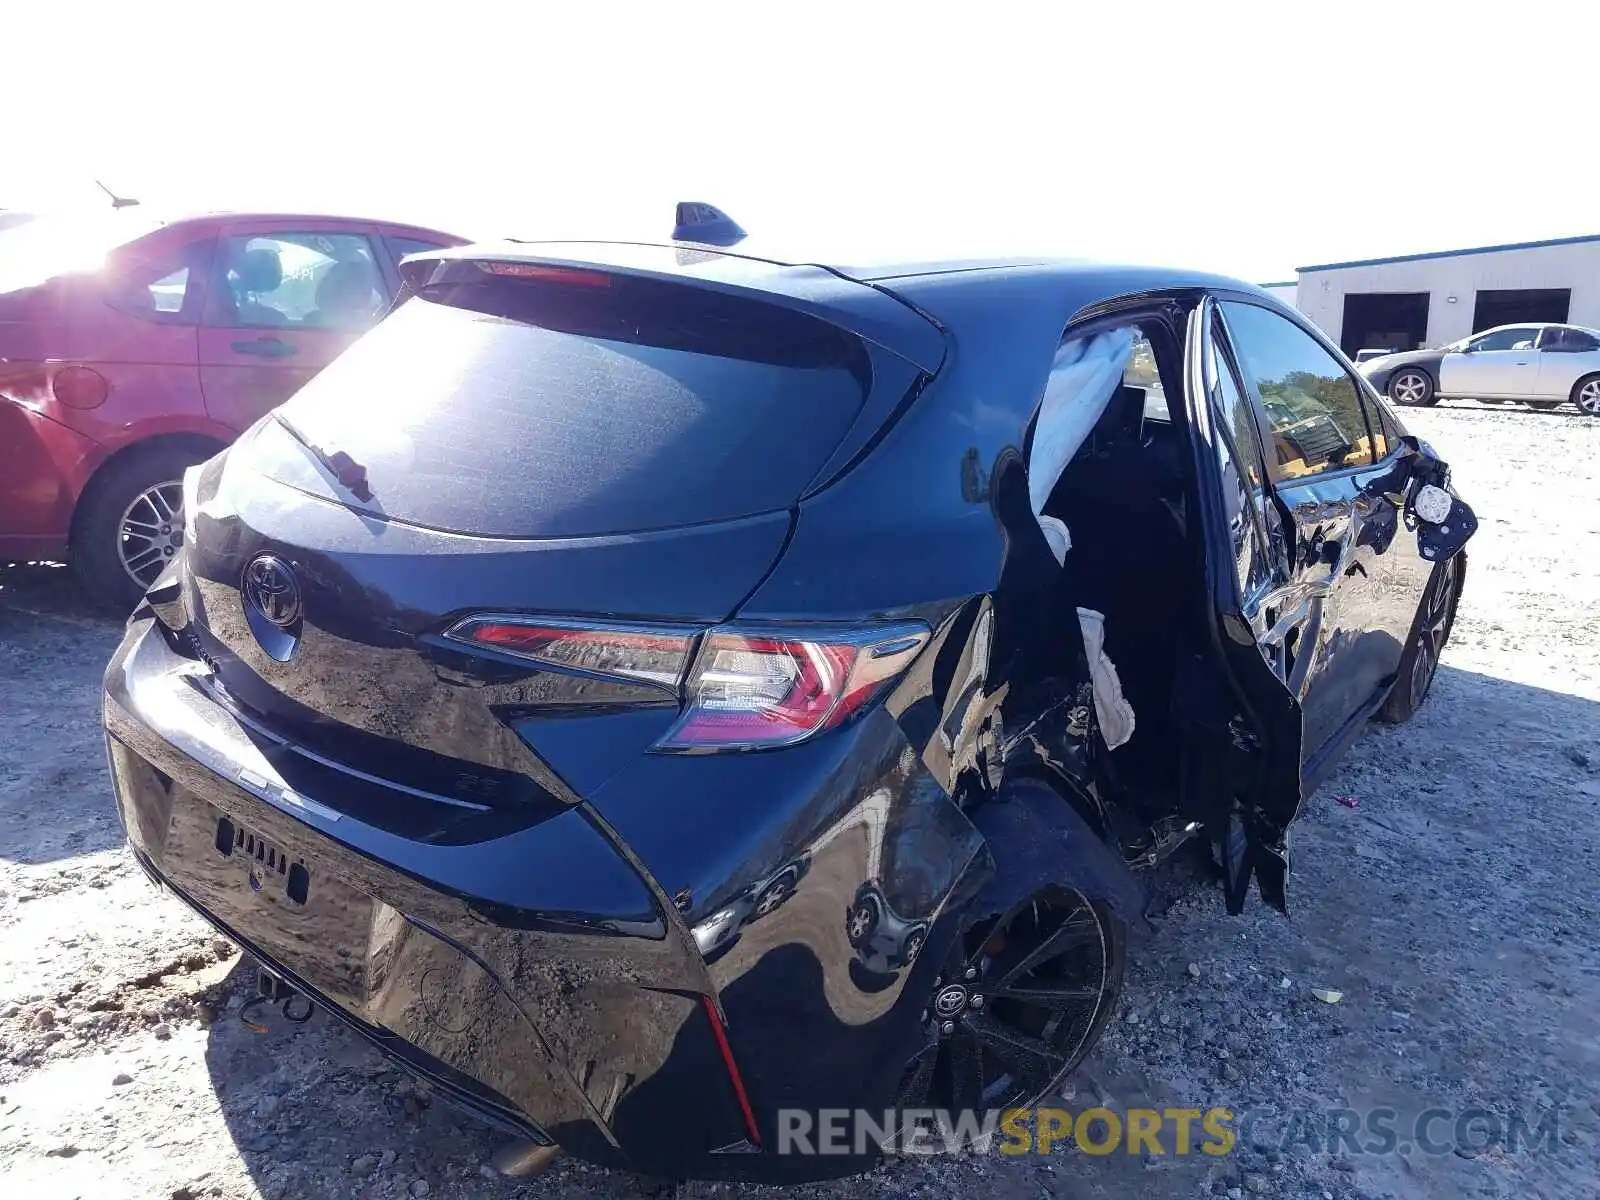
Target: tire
[(912, 946), (139, 487), (1586, 396), (773, 897), (861, 922), (1070, 1027), (1413, 387), (1430, 632), (1116, 935)]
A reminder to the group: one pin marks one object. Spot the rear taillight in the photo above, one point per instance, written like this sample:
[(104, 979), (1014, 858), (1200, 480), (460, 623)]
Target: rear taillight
[(756, 688), (745, 688), (643, 653), (549, 274)]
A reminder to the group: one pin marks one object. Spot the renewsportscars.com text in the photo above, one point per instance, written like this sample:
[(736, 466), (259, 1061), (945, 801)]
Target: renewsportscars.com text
[(1213, 1131)]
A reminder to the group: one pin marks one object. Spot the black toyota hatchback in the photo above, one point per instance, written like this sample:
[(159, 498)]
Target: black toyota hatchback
[(651, 690)]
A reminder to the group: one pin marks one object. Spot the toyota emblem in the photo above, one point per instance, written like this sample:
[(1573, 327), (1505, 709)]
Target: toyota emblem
[(950, 1001), (272, 605)]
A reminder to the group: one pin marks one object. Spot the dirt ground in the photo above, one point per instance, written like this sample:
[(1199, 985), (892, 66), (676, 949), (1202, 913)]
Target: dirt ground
[(1454, 906)]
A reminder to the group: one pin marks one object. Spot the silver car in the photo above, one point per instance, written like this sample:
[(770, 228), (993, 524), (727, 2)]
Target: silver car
[(1539, 364)]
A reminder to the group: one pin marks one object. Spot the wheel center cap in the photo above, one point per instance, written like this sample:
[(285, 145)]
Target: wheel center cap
[(950, 1001)]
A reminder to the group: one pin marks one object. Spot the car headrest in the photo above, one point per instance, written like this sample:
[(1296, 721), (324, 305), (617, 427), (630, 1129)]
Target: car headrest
[(1128, 402), (1121, 424), (345, 287), (259, 270)]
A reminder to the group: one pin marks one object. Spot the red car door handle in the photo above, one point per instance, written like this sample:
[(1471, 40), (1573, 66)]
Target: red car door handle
[(265, 347)]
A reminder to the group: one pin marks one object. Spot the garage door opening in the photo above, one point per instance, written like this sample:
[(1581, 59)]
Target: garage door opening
[(1515, 306), (1383, 321)]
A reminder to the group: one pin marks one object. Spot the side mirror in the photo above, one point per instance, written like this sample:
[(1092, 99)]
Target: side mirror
[(1421, 486), (1444, 522), (1432, 504)]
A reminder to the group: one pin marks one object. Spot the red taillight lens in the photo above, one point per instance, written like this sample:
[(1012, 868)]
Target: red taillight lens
[(633, 652), (752, 689), (747, 689), (80, 387)]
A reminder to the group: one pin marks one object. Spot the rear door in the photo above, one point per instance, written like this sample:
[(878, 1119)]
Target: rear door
[(1499, 363), (1242, 720), (285, 299)]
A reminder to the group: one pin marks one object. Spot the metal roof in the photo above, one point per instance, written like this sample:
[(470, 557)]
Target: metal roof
[(694, 259), (1400, 258)]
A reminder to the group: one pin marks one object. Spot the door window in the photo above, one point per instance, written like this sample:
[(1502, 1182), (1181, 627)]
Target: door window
[(297, 281), (1385, 429), (1560, 339), (1142, 373), (402, 246), (159, 287), (1241, 470), (1519, 338), (1312, 403)]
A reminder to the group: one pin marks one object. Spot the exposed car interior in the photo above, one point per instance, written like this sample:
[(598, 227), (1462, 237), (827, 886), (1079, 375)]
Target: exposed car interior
[(1121, 499)]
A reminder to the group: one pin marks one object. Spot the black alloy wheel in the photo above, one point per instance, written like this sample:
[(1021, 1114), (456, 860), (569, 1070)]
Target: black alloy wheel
[(1019, 1003), (1420, 663), (1433, 630)]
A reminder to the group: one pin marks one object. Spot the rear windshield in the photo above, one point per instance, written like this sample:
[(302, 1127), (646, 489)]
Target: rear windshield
[(587, 405)]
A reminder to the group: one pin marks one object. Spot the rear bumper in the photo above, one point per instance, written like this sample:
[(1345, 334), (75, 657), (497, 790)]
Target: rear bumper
[(582, 1026), (463, 1091), (536, 978)]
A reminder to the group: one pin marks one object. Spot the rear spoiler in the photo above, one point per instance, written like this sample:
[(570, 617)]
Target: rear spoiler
[(863, 310)]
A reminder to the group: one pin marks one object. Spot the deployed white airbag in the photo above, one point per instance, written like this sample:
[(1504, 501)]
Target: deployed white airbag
[(1083, 378), (1085, 375), (1114, 713)]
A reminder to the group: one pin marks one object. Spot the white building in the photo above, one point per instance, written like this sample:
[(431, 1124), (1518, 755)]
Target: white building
[(1282, 291), (1430, 299)]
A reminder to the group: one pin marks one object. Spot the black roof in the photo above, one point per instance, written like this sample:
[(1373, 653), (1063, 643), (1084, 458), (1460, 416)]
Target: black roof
[(833, 289)]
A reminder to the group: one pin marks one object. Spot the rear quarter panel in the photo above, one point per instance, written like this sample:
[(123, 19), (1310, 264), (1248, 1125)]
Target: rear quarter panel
[(151, 369), (1559, 373), (43, 467)]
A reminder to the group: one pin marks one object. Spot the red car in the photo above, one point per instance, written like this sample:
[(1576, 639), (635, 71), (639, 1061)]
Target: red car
[(132, 348)]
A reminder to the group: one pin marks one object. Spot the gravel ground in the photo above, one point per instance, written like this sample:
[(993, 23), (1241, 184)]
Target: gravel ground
[(1453, 907)]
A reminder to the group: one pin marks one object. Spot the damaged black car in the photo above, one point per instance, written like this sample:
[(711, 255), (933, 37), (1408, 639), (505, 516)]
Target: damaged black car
[(647, 690)]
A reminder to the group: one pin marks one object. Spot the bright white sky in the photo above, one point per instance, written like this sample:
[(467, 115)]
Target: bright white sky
[(1241, 137)]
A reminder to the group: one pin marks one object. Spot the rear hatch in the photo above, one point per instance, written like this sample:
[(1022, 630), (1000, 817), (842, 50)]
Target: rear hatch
[(582, 445)]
